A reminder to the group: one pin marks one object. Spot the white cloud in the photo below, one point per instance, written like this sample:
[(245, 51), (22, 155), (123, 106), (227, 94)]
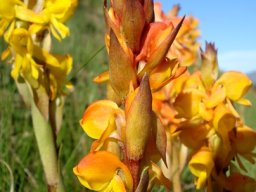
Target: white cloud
[(242, 60)]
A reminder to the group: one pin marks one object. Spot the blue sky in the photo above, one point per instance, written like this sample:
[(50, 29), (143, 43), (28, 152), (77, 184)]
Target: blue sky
[(230, 24)]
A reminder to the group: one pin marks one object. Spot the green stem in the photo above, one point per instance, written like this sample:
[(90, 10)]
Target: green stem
[(47, 149)]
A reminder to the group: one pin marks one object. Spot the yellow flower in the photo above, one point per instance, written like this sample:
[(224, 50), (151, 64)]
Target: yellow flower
[(244, 142), (7, 14), (223, 120), (244, 139), (201, 165), (103, 171), (53, 14), (187, 104), (228, 86), (31, 62), (235, 89), (194, 136), (21, 43)]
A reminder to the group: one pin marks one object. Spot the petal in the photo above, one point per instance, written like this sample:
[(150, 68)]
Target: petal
[(25, 14), (35, 28), (201, 165), (3, 25), (7, 9), (223, 120), (19, 39), (9, 30), (157, 173), (96, 117), (34, 68), (17, 67), (5, 53), (104, 136), (162, 46), (177, 85), (103, 77), (44, 56), (59, 28), (244, 139), (235, 89), (194, 136), (187, 104), (70, 10), (164, 73), (60, 9), (218, 95), (116, 185), (244, 101), (96, 171), (55, 33)]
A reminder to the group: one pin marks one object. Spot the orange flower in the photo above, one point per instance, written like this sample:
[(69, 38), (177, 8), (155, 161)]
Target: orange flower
[(102, 170), (96, 117)]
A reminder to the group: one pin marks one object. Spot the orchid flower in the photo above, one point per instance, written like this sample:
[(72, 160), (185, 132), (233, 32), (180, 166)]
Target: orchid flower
[(103, 171)]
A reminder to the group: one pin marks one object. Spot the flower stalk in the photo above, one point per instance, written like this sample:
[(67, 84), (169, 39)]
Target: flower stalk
[(48, 150), (161, 112)]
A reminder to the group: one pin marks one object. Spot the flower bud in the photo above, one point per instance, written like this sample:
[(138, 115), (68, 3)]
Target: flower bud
[(120, 62), (133, 21), (138, 125), (209, 68)]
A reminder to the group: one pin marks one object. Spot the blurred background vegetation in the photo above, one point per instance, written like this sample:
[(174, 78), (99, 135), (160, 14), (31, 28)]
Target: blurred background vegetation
[(18, 147)]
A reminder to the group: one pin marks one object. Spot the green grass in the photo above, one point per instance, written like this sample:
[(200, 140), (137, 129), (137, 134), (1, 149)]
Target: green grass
[(17, 142)]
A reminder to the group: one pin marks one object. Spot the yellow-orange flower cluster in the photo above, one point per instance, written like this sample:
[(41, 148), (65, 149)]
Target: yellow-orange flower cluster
[(138, 64), (199, 108), (118, 133), (148, 56), (27, 27)]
